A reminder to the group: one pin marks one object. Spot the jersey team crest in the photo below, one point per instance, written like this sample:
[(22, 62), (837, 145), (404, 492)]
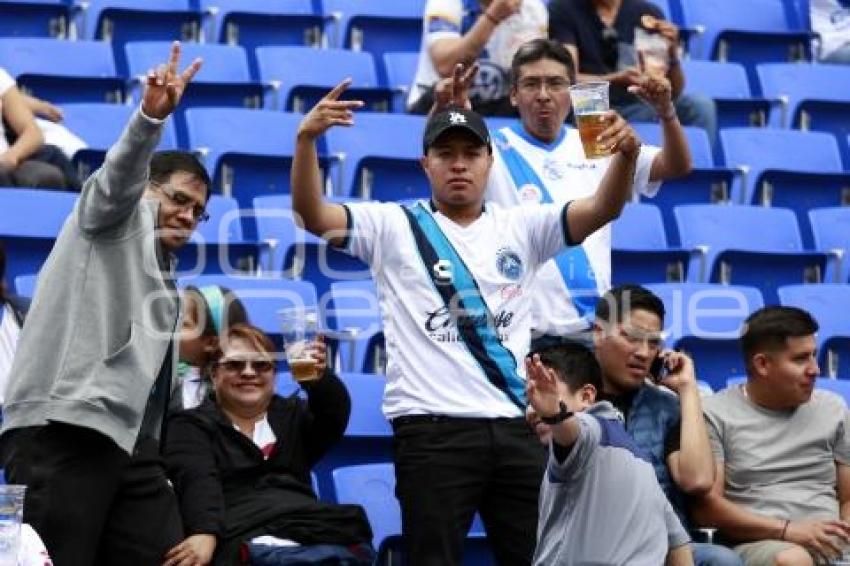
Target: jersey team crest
[(509, 264)]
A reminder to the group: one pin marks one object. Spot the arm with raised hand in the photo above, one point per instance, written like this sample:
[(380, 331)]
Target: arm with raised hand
[(674, 159), (542, 392), (588, 214), (453, 92), (447, 52), (324, 219), (113, 191)]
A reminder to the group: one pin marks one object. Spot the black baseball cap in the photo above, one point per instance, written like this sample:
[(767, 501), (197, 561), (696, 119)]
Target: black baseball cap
[(453, 118)]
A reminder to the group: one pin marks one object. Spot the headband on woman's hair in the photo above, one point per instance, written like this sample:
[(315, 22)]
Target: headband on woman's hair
[(215, 304)]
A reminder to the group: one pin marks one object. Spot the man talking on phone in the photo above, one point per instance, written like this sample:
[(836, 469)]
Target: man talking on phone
[(670, 428)]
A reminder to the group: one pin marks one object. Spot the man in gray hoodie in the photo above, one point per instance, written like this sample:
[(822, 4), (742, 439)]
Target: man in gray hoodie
[(91, 377)]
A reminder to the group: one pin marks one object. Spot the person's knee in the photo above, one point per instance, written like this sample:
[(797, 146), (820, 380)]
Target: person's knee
[(716, 555), (796, 556), (39, 175), (697, 110)]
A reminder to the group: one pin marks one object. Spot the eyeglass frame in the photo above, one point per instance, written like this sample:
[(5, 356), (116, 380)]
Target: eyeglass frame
[(199, 213), (553, 84), (258, 365)]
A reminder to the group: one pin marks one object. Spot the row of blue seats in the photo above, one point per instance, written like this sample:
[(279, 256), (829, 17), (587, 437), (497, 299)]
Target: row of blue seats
[(774, 97), (719, 243), (248, 153)]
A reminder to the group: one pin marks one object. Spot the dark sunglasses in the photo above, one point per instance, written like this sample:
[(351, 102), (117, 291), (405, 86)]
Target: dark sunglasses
[(258, 366)]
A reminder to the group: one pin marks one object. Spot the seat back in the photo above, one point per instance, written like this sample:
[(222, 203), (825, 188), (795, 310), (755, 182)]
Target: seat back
[(831, 231), (639, 227), (222, 63)]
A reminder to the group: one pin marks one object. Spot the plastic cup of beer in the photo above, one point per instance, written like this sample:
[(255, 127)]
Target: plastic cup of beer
[(11, 517), (590, 105), (300, 326)]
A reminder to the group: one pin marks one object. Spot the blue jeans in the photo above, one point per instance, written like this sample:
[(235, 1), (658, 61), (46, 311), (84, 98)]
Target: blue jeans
[(692, 109), (714, 555)]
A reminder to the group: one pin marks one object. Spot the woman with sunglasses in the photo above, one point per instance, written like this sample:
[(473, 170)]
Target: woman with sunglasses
[(241, 461)]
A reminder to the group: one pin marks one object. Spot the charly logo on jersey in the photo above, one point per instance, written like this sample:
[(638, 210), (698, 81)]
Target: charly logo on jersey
[(443, 273), (509, 264)]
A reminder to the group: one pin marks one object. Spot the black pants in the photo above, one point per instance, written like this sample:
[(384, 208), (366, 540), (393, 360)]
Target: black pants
[(89, 501), (449, 468)]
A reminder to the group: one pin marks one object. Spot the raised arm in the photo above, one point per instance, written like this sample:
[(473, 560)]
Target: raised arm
[(843, 475), (586, 215), (674, 159), (692, 466), (542, 392), (447, 52), (324, 219), (114, 190)]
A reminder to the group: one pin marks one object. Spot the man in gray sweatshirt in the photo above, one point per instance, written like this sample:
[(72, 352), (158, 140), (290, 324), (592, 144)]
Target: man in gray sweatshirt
[(91, 377)]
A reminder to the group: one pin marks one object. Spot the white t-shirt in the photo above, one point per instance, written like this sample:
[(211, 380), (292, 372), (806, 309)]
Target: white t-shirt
[(567, 175), (9, 333), (453, 18), (430, 369), (832, 22), (6, 82)]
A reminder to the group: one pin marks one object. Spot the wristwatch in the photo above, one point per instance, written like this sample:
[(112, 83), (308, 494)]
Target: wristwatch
[(559, 417)]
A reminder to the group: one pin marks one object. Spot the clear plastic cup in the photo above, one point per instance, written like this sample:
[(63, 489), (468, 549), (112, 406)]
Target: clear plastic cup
[(590, 104), (300, 326), (11, 517)]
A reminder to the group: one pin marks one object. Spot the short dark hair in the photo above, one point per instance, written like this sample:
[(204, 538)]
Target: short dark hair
[(617, 302), (166, 163), (770, 327), (575, 364), (537, 49)]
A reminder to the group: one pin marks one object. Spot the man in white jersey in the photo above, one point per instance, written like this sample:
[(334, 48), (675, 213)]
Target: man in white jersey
[(541, 160), (453, 278)]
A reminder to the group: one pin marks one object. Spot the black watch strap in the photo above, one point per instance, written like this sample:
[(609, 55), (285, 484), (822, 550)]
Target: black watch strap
[(562, 415)]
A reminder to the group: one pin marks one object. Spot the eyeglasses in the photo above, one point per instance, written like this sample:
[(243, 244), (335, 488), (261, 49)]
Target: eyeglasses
[(238, 366), (182, 201), (553, 84), (637, 336)]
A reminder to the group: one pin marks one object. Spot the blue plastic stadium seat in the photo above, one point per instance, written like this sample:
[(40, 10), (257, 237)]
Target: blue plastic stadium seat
[(755, 31), (818, 95), (829, 304), (247, 152), (727, 84), (705, 321), (831, 230), (35, 18), (100, 125), (400, 68), (373, 487), (218, 245), (376, 26), (25, 285), (262, 297), (353, 309), (86, 73), (368, 437), (30, 220), (749, 245), (640, 253), (252, 23), (786, 168), (305, 75), (379, 165), (120, 21), (706, 183)]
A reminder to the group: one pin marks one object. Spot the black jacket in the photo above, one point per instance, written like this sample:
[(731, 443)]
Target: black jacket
[(226, 488)]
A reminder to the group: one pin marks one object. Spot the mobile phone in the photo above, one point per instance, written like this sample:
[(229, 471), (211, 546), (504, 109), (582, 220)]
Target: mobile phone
[(658, 370)]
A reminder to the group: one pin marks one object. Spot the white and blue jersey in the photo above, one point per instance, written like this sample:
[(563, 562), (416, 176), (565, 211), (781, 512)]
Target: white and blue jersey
[(464, 361), (452, 19), (527, 171)]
